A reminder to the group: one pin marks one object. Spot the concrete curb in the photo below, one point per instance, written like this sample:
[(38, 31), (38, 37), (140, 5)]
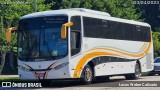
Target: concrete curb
[(8, 76)]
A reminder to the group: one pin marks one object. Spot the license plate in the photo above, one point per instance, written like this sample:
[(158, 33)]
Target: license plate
[(39, 74)]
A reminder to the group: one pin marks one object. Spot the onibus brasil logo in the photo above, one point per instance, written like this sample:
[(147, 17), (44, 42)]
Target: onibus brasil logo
[(15, 84)]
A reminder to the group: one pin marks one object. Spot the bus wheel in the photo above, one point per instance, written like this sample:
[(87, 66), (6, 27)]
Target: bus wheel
[(137, 73), (87, 75)]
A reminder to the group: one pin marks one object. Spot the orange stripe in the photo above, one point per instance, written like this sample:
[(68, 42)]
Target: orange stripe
[(87, 57), (46, 76), (143, 46), (125, 53), (80, 65)]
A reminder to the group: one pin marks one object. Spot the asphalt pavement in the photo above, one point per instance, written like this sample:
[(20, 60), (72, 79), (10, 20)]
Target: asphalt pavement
[(115, 83)]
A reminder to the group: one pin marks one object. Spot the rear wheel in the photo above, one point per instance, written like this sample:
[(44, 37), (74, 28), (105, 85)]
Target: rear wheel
[(87, 75), (137, 73)]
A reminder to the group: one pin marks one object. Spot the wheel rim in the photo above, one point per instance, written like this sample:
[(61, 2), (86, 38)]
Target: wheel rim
[(137, 71), (88, 74)]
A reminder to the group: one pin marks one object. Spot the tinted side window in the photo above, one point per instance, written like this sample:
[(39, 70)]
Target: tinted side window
[(117, 30), (76, 23), (147, 34), (90, 27), (99, 28), (75, 42), (75, 35), (138, 33), (104, 27), (144, 34), (129, 31)]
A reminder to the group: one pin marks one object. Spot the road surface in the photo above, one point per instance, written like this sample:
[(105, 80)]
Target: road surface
[(108, 85), (113, 84)]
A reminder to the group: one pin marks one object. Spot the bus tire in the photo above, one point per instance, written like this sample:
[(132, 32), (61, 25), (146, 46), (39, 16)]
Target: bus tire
[(135, 75), (87, 75)]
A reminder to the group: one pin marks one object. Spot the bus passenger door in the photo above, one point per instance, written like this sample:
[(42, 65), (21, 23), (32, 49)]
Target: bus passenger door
[(75, 42), (75, 35)]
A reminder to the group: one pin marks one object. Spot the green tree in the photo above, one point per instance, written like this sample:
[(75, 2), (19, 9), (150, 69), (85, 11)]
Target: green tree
[(10, 12), (3, 46), (156, 43), (117, 8), (157, 29)]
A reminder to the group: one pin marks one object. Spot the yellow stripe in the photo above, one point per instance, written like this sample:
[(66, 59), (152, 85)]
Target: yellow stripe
[(142, 46), (87, 57), (46, 76), (122, 52)]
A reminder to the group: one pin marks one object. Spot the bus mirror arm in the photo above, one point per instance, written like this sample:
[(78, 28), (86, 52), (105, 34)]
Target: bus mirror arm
[(64, 29), (8, 33)]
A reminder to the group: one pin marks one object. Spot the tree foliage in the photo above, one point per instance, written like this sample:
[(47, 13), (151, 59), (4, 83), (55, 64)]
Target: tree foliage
[(11, 11), (117, 8), (157, 29), (156, 43)]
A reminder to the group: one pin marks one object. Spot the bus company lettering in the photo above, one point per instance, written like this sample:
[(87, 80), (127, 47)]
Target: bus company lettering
[(26, 84)]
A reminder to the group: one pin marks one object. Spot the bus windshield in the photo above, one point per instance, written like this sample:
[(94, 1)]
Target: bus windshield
[(39, 38)]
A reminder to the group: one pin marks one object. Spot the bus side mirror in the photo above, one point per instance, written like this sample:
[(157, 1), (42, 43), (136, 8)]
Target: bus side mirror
[(8, 33), (64, 29)]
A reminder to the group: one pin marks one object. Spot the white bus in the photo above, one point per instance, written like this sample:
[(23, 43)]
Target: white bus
[(82, 43)]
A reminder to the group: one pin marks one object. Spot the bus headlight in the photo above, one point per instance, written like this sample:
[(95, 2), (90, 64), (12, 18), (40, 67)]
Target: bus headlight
[(23, 68), (59, 66)]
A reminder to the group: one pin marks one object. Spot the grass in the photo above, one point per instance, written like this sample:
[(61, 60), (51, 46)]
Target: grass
[(14, 79), (9, 79)]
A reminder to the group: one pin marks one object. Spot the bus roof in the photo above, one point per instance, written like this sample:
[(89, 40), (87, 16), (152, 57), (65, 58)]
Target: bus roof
[(84, 12)]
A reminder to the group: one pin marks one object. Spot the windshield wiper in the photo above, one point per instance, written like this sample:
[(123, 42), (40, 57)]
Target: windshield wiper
[(46, 45), (26, 38), (48, 49)]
